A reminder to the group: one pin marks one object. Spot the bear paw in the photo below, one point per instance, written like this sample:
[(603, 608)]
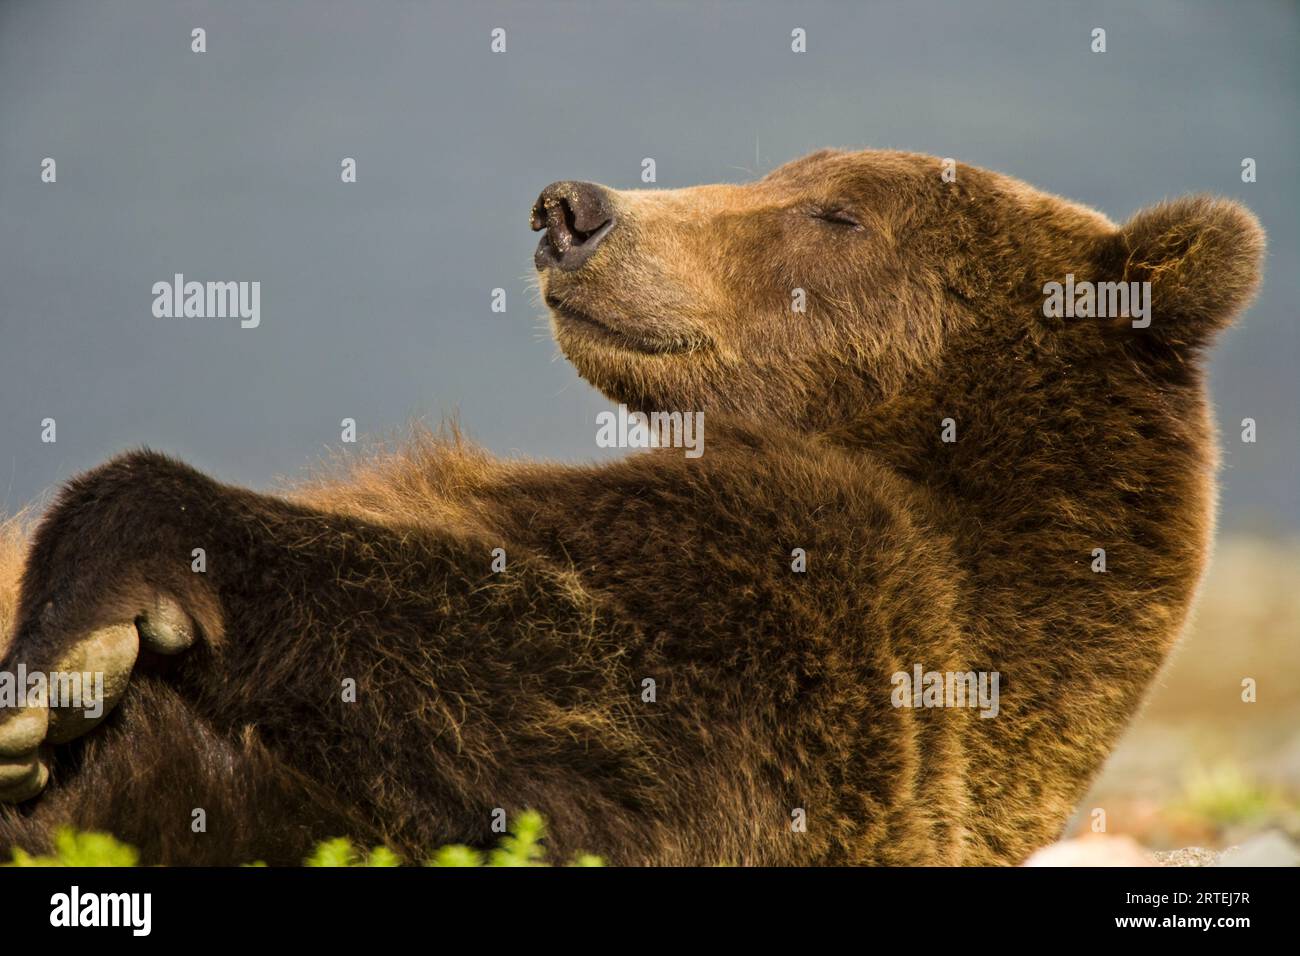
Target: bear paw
[(90, 670)]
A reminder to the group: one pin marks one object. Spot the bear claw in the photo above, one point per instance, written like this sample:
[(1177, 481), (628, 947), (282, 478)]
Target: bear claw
[(22, 780), (102, 660), (109, 654), (165, 628), (21, 733)]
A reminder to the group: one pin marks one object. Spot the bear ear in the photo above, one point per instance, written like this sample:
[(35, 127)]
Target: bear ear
[(1203, 257)]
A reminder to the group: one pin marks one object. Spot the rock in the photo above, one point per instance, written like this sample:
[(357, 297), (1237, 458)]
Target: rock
[(1266, 849), (1094, 849), (1187, 856)]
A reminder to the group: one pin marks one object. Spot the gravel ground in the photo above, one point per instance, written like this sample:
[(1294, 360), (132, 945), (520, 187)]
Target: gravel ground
[(1188, 856)]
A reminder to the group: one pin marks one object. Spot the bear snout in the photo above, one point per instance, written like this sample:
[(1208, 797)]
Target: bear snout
[(576, 217)]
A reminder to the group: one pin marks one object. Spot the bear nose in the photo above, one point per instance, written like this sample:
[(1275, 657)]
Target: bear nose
[(576, 217)]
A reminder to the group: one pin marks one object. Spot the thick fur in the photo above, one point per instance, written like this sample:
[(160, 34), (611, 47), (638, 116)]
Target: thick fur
[(524, 688)]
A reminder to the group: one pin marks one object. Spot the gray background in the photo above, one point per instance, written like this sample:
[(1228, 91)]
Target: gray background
[(375, 296)]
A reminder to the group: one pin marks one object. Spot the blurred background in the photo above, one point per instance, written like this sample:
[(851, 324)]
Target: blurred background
[(376, 296)]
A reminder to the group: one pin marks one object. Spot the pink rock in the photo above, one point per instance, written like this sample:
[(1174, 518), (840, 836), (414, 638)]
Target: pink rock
[(1095, 849)]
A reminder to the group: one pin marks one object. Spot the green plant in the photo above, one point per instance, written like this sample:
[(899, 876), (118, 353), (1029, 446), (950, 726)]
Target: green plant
[(81, 849), (1225, 795), (340, 852), (522, 846)]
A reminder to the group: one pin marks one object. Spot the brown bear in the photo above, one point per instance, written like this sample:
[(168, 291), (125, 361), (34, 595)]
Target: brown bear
[(915, 464)]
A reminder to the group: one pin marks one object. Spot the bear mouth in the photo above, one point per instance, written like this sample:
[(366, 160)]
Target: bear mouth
[(585, 324)]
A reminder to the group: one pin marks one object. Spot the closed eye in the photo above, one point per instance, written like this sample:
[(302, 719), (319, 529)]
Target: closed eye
[(836, 217)]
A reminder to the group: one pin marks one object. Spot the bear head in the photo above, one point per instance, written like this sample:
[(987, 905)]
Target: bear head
[(816, 295)]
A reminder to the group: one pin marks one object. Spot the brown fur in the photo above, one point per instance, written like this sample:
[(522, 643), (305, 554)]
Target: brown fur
[(823, 432)]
